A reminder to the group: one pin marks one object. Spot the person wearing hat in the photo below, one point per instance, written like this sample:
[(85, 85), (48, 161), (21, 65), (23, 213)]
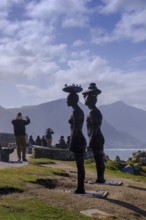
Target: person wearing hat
[(93, 122), (77, 142), (20, 135)]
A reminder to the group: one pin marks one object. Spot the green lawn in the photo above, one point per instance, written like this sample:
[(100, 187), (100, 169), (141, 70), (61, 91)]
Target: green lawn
[(18, 200), (31, 208)]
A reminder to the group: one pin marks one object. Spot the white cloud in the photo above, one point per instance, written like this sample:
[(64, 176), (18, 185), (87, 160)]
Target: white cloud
[(36, 93), (22, 69), (76, 21), (113, 6), (78, 43), (115, 85), (4, 4), (28, 90), (26, 56), (138, 59), (71, 13), (39, 57), (48, 8), (132, 26)]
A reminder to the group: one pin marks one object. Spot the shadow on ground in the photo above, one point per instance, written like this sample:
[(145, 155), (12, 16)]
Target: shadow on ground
[(128, 206), (47, 183), (9, 190), (136, 187)]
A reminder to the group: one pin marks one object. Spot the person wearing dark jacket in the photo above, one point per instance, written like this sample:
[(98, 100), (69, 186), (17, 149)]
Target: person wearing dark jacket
[(20, 135)]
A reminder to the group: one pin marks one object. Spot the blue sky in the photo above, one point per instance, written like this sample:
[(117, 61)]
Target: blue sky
[(45, 44)]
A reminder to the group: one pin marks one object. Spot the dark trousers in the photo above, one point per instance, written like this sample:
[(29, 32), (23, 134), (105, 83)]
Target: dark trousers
[(79, 157), (21, 146), (100, 167)]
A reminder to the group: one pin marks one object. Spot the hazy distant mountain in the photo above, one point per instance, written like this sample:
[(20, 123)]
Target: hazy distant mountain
[(126, 118), (5, 118), (55, 114), (116, 139)]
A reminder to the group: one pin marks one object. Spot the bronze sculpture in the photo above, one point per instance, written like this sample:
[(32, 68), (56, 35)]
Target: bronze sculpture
[(93, 122), (77, 140)]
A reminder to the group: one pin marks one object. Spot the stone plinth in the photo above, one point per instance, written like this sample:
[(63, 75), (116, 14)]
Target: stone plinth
[(52, 153), (4, 154), (7, 146)]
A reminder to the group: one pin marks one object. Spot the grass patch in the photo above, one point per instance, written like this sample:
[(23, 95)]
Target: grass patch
[(30, 209), (28, 193), (18, 177), (40, 161), (60, 172), (113, 168), (20, 200)]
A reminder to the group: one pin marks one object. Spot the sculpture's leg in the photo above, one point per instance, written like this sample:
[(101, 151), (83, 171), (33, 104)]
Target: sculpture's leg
[(79, 157), (100, 167)]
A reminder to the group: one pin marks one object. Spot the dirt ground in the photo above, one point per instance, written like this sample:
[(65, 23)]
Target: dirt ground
[(126, 202)]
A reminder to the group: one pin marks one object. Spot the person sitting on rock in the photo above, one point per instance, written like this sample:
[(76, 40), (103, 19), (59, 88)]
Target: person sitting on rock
[(62, 143), (44, 141), (31, 140), (38, 141)]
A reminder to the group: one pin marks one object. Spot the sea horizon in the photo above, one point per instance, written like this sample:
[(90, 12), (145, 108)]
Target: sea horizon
[(123, 153)]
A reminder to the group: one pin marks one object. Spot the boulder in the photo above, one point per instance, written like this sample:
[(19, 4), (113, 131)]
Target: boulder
[(4, 154), (128, 169)]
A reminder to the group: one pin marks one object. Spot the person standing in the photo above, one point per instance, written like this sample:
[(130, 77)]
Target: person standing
[(68, 141), (77, 140), (93, 122), (20, 135), (49, 133)]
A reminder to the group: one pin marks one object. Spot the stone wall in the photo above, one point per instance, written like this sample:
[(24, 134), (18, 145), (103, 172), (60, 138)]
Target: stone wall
[(52, 153), (6, 138)]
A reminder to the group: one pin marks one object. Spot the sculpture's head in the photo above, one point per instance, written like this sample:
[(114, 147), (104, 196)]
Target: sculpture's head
[(72, 99), (90, 100), (90, 95), (92, 90)]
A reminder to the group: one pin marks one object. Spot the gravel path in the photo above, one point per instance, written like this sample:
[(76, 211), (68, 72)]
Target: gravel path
[(13, 161)]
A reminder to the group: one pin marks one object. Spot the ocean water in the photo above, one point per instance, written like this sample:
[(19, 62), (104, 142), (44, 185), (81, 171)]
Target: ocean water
[(124, 154)]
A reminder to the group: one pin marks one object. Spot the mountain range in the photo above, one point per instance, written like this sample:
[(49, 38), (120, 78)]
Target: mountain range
[(123, 126)]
